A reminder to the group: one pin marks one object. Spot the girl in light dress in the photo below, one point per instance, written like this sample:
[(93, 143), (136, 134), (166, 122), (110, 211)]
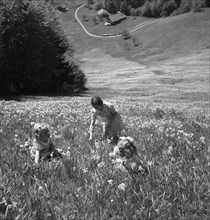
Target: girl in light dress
[(111, 119)]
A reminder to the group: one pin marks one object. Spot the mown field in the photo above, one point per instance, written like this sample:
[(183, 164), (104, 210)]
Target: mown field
[(88, 184)]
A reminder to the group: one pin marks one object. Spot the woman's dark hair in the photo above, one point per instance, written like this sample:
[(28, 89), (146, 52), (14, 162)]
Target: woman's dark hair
[(96, 101)]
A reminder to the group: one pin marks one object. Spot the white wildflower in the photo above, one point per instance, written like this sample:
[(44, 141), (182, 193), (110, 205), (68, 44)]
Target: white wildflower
[(202, 139), (110, 181), (44, 189), (122, 186), (170, 149), (150, 163), (102, 164)]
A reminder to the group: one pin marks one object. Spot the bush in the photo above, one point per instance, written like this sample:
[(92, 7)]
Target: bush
[(90, 2), (158, 8), (126, 35), (207, 3), (138, 12), (85, 18), (111, 7), (197, 6), (132, 12), (146, 9), (153, 8), (168, 8), (95, 20), (185, 6), (34, 50), (124, 8), (135, 12), (135, 41), (194, 5), (97, 6)]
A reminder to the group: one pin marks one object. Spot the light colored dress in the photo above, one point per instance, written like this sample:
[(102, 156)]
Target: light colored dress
[(110, 118)]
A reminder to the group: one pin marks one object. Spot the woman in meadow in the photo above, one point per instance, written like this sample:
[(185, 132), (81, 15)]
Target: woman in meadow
[(111, 119)]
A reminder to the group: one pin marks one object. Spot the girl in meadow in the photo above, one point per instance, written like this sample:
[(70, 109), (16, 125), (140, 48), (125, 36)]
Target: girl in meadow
[(111, 119)]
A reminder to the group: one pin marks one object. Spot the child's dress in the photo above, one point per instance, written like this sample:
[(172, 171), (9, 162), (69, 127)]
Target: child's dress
[(110, 119)]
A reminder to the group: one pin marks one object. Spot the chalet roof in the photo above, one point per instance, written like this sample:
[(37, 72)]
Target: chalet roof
[(116, 17), (102, 11)]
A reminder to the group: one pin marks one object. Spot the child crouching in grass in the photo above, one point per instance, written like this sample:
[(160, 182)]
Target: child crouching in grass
[(111, 119), (42, 144), (131, 160)]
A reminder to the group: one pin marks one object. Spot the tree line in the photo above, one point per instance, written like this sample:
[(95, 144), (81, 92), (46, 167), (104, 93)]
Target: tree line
[(151, 8), (35, 55)]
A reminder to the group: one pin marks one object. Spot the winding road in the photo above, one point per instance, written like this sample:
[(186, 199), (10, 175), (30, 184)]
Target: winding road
[(141, 25)]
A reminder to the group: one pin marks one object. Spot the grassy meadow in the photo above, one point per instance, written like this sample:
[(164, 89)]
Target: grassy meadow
[(161, 89), (87, 183)]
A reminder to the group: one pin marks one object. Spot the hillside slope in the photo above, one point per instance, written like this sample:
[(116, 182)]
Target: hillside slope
[(173, 37), (167, 38), (171, 63)]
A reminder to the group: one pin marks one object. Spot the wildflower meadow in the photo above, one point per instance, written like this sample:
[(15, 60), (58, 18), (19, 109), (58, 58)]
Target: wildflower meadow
[(88, 184)]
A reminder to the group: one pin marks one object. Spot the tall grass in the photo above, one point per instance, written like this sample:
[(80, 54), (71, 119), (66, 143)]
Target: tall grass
[(87, 183)]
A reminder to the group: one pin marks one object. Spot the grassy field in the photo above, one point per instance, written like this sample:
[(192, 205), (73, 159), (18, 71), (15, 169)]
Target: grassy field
[(87, 183), (161, 89)]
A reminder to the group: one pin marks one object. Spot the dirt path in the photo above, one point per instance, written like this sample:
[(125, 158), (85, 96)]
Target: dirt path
[(139, 26)]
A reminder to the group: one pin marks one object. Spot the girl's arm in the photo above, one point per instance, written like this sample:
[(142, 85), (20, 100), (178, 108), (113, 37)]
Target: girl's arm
[(92, 125), (105, 130), (37, 156)]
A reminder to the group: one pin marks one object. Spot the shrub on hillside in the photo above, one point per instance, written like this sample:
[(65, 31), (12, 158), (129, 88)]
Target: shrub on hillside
[(137, 12), (168, 8), (197, 6), (126, 35), (95, 20), (124, 8), (185, 6), (33, 56), (136, 42), (111, 6), (154, 8), (90, 2), (97, 6), (146, 9), (188, 5), (207, 3), (85, 18)]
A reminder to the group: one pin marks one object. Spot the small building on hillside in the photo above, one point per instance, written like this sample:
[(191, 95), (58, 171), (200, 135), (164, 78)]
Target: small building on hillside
[(103, 13), (116, 18), (62, 8)]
